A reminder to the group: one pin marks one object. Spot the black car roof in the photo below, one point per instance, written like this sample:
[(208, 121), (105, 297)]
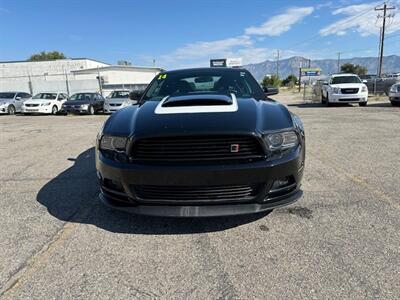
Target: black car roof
[(193, 70)]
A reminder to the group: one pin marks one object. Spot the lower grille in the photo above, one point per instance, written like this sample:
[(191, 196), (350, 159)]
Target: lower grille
[(349, 91), (197, 148), (196, 194), (115, 104), (31, 105)]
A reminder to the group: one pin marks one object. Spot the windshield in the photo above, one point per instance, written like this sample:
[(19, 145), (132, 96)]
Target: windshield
[(80, 97), (47, 96), (345, 79), (204, 81), (7, 95), (119, 94)]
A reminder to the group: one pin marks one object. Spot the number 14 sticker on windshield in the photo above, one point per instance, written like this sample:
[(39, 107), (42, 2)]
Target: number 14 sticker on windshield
[(162, 76)]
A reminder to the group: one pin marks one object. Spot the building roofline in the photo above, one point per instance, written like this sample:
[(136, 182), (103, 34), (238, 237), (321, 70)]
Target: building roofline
[(117, 67), (68, 58)]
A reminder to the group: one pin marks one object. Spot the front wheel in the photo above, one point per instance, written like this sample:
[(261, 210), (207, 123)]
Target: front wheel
[(54, 110), (362, 103), (91, 110), (394, 103), (327, 100), (11, 110)]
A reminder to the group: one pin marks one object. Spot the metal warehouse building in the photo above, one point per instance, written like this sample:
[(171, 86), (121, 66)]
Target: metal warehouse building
[(71, 76)]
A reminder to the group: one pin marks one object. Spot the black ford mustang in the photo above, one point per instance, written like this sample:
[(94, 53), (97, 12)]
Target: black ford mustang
[(201, 142)]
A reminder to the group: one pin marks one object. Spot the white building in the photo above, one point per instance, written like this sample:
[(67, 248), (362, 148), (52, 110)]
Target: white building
[(71, 75)]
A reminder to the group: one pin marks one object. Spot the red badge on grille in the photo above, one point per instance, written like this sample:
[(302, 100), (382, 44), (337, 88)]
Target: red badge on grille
[(235, 148)]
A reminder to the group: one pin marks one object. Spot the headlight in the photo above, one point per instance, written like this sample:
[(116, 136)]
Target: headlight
[(336, 90), (84, 106), (393, 89), (113, 143), (45, 104), (281, 140), (364, 89)]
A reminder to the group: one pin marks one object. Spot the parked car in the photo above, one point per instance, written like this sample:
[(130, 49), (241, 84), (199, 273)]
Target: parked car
[(394, 94), (87, 103), (116, 100), (201, 142), (344, 88), (11, 102), (44, 103)]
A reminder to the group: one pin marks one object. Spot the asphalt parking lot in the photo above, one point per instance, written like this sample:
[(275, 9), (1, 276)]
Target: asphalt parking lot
[(341, 240)]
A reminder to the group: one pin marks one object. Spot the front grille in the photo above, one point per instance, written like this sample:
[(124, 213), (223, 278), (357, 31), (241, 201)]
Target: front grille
[(349, 99), (197, 148), (196, 194), (349, 91), (31, 105), (115, 104)]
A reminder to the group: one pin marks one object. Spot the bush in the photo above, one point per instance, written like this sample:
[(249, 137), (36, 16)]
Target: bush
[(271, 81)]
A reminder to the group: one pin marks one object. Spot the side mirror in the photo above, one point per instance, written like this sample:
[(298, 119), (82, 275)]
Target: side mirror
[(17, 98), (268, 91), (325, 83), (365, 81), (135, 95)]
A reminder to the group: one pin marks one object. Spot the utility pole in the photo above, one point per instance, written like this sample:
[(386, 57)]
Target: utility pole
[(385, 8), (338, 61), (277, 64)]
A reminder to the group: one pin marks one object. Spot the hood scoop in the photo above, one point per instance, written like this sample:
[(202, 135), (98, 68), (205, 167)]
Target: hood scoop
[(197, 104), (197, 100)]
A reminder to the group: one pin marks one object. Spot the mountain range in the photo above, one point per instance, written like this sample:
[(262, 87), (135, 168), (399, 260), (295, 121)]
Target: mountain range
[(291, 65)]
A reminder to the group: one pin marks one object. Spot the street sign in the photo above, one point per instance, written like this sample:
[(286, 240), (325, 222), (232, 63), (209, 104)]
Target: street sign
[(218, 63), (310, 71)]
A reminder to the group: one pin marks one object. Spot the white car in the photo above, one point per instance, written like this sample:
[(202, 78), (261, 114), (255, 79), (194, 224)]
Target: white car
[(44, 103), (11, 102), (116, 100), (394, 94), (344, 88)]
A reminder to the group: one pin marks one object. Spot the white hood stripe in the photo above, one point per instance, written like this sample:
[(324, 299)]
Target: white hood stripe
[(196, 109)]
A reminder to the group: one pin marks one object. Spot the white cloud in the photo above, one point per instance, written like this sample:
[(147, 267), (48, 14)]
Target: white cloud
[(280, 23), (361, 18)]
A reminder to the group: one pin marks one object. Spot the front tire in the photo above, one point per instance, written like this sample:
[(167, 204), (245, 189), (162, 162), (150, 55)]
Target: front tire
[(362, 103), (327, 101), (91, 110), (323, 99), (394, 103), (54, 110), (11, 110)]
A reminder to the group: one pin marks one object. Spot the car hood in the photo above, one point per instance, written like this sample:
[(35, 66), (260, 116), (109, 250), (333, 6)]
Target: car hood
[(117, 100), (251, 117), (38, 101), (7, 100), (76, 102), (348, 85)]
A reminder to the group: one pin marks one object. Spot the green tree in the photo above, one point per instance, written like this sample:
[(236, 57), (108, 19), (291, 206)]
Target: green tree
[(290, 81), (51, 55), (355, 69), (271, 81)]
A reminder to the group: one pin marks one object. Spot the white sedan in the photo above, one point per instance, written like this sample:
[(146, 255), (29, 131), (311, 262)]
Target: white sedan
[(44, 103)]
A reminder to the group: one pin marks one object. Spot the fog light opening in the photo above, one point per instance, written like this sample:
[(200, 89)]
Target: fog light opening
[(282, 183)]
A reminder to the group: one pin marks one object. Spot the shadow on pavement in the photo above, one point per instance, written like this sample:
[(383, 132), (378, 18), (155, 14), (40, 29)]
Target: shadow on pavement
[(72, 197)]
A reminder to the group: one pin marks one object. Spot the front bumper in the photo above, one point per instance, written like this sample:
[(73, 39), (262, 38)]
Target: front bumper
[(395, 97), (348, 98), (74, 110), (36, 110), (261, 172)]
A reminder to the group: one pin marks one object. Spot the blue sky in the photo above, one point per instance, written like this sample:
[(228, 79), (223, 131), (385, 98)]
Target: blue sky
[(184, 33)]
